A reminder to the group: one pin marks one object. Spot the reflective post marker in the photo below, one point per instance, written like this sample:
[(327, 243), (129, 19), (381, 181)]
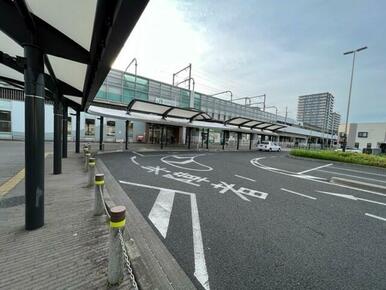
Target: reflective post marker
[(115, 265), (34, 137)]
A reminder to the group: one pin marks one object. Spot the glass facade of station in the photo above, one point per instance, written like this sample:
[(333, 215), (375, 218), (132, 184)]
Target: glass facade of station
[(120, 88)]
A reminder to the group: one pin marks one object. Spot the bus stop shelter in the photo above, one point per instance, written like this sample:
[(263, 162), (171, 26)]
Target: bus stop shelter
[(59, 51)]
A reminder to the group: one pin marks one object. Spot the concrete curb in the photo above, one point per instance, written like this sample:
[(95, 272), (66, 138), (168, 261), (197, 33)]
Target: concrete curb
[(359, 184), (154, 265)]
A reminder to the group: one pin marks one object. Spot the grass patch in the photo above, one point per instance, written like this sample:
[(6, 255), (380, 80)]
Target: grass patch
[(349, 157)]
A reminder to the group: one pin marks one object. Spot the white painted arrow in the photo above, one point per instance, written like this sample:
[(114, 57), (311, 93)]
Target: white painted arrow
[(351, 197)]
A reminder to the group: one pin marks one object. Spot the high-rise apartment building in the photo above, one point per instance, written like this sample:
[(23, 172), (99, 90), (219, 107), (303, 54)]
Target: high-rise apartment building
[(335, 122), (316, 110)]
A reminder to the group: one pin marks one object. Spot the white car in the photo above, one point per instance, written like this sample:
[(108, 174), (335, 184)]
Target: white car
[(350, 149), (268, 146)]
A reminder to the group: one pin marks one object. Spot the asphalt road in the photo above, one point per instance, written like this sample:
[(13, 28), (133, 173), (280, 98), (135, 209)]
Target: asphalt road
[(252, 220)]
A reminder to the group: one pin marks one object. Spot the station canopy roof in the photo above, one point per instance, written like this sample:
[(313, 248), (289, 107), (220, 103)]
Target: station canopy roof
[(139, 110), (165, 111), (79, 38)]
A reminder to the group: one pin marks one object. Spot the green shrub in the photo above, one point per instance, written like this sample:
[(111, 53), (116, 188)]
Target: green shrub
[(349, 157)]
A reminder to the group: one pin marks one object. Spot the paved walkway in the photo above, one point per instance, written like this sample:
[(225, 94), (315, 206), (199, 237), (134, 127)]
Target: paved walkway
[(70, 251)]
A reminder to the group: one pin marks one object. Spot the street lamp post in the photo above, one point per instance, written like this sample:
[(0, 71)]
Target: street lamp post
[(349, 94)]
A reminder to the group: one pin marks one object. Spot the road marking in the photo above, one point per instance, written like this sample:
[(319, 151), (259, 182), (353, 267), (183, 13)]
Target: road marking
[(154, 187), (297, 193), (133, 160), (316, 168), (200, 269), (246, 178), (348, 196), (139, 154), (350, 175), (255, 162), (358, 171), (161, 210), (14, 180), (181, 163), (376, 217)]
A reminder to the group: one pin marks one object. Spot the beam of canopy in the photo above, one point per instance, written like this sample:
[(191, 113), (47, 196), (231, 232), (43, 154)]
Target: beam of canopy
[(81, 39)]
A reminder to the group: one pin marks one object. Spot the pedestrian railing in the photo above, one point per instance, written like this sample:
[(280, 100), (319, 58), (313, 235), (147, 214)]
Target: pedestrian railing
[(118, 259)]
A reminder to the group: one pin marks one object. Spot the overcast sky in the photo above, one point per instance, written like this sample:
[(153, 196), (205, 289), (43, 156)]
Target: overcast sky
[(281, 48)]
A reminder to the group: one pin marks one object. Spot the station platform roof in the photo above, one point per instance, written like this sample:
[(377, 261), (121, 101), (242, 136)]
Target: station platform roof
[(145, 111)]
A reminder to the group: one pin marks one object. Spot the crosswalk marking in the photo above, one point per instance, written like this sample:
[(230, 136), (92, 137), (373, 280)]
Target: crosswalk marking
[(161, 210)]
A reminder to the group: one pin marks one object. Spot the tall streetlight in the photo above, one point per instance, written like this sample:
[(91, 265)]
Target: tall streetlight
[(349, 94)]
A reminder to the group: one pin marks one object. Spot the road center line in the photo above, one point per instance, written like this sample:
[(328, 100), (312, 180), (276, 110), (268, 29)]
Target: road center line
[(161, 210), (246, 178), (350, 175), (139, 154), (376, 217), (316, 168), (297, 193)]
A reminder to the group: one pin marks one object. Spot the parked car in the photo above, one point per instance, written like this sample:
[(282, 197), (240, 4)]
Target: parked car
[(268, 146), (350, 149)]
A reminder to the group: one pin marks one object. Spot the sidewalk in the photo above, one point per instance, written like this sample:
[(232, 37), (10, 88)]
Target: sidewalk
[(70, 251)]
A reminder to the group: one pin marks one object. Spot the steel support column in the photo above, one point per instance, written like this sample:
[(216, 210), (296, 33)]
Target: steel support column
[(162, 136), (223, 140), (65, 123), (101, 133), (58, 122), (77, 132), (238, 140), (127, 135), (250, 141), (189, 137), (34, 137), (207, 139)]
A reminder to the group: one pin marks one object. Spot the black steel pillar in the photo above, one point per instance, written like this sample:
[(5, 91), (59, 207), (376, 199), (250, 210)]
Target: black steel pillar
[(34, 137), (238, 140), (250, 141), (101, 133), (58, 122), (65, 133), (77, 132), (223, 140), (189, 137), (166, 136), (207, 138), (127, 135), (162, 137)]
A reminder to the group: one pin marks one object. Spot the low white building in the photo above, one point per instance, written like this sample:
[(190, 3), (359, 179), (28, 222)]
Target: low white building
[(365, 135)]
